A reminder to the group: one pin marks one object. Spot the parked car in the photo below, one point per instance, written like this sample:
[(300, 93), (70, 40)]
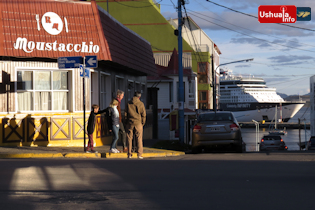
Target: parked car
[(272, 142), (311, 143), (216, 130)]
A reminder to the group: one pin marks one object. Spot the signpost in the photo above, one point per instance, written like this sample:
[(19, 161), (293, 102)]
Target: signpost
[(91, 61), (69, 62), (81, 63)]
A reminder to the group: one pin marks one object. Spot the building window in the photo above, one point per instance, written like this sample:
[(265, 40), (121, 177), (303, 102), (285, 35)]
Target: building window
[(203, 95), (203, 106), (105, 91), (131, 89), (203, 79), (119, 84), (203, 68), (171, 91), (203, 74), (42, 90), (191, 87), (138, 87), (203, 99)]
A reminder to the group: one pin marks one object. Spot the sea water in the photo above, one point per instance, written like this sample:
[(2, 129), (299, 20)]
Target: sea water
[(291, 139)]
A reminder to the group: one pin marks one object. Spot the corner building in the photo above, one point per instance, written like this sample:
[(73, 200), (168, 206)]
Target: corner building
[(41, 104)]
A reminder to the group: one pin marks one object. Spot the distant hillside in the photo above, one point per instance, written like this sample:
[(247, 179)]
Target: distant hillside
[(305, 98), (282, 95)]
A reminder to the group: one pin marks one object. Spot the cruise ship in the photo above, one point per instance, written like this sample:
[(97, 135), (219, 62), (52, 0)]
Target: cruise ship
[(250, 99)]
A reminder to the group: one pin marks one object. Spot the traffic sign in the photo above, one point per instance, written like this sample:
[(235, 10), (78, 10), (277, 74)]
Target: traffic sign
[(81, 70), (69, 62), (91, 61), (87, 71)]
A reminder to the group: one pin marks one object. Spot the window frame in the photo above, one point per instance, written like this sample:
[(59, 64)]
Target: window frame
[(206, 70), (107, 87), (203, 101), (70, 88)]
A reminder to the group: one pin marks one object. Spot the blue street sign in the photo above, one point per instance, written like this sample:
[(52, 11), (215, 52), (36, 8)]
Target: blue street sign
[(91, 61), (81, 70), (69, 62), (87, 71)]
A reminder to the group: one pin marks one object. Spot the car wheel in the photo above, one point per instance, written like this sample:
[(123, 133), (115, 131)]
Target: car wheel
[(239, 147)]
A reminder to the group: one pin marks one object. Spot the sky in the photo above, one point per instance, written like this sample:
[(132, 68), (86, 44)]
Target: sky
[(284, 56)]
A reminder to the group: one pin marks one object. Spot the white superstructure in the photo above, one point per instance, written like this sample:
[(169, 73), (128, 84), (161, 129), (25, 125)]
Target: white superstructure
[(250, 99)]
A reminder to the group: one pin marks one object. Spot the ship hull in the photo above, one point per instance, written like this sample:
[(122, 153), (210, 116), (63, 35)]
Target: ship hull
[(246, 112)]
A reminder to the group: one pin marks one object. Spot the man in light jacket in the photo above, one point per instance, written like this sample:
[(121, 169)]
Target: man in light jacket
[(135, 120)]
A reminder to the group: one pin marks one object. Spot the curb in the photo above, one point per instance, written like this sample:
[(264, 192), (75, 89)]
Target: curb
[(32, 155), (164, 153), (82, 155)]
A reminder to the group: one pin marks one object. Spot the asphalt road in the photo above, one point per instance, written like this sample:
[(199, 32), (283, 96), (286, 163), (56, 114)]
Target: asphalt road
[(203, 181)]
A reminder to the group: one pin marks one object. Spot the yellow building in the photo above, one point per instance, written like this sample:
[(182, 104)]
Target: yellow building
[(41, 102)]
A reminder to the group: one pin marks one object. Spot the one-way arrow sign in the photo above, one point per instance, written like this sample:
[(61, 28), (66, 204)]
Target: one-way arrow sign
[(91, 61)]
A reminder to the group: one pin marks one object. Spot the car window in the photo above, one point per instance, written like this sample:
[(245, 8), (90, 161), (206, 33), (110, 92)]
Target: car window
[(215, 117), (272, 138)]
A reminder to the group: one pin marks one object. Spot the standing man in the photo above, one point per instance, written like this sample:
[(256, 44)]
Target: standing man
[(136, 116), (119, 97)]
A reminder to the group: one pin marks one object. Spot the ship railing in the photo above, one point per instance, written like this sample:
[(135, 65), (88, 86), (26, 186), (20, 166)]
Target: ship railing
[(296, 101), (239, 77)]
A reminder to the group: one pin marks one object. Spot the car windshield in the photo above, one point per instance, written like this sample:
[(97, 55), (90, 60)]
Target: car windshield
[(215, 117), (272, 137)]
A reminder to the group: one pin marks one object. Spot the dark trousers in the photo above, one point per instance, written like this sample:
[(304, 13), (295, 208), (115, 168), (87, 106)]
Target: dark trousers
[(122, 135), (90, 143)]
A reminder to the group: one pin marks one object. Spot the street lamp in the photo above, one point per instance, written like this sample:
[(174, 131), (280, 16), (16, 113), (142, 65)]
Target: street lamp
[(215, 78)]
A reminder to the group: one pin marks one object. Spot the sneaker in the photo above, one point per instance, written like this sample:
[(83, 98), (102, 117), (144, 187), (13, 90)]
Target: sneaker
[(87, 151), (117, 150), (112, 150), (129, 156), (93, 151), (140, 157)]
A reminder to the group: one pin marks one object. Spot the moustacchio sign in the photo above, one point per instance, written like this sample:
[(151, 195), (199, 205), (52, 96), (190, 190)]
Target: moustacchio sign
[(30, 31)]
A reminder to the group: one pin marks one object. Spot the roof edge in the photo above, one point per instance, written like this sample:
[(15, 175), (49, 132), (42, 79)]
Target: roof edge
[(103, 41), (116, 21)]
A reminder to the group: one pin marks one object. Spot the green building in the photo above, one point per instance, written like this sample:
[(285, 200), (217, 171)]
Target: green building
[(145, 19)]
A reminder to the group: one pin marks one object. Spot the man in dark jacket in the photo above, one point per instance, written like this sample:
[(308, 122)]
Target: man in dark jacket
[(136, 117), (91, 126)]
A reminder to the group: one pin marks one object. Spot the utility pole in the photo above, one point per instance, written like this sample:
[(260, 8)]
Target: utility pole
[(214, 93), (300, 134), (180, 74)]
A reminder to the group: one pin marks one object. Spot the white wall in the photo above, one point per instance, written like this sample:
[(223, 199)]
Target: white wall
[(163, 94)]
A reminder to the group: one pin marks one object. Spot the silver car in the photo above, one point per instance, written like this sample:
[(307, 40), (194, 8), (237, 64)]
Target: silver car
[(272, 142), (216, 130)]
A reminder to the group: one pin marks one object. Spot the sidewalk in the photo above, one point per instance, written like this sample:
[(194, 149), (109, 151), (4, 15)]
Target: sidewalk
[(78, 152)]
